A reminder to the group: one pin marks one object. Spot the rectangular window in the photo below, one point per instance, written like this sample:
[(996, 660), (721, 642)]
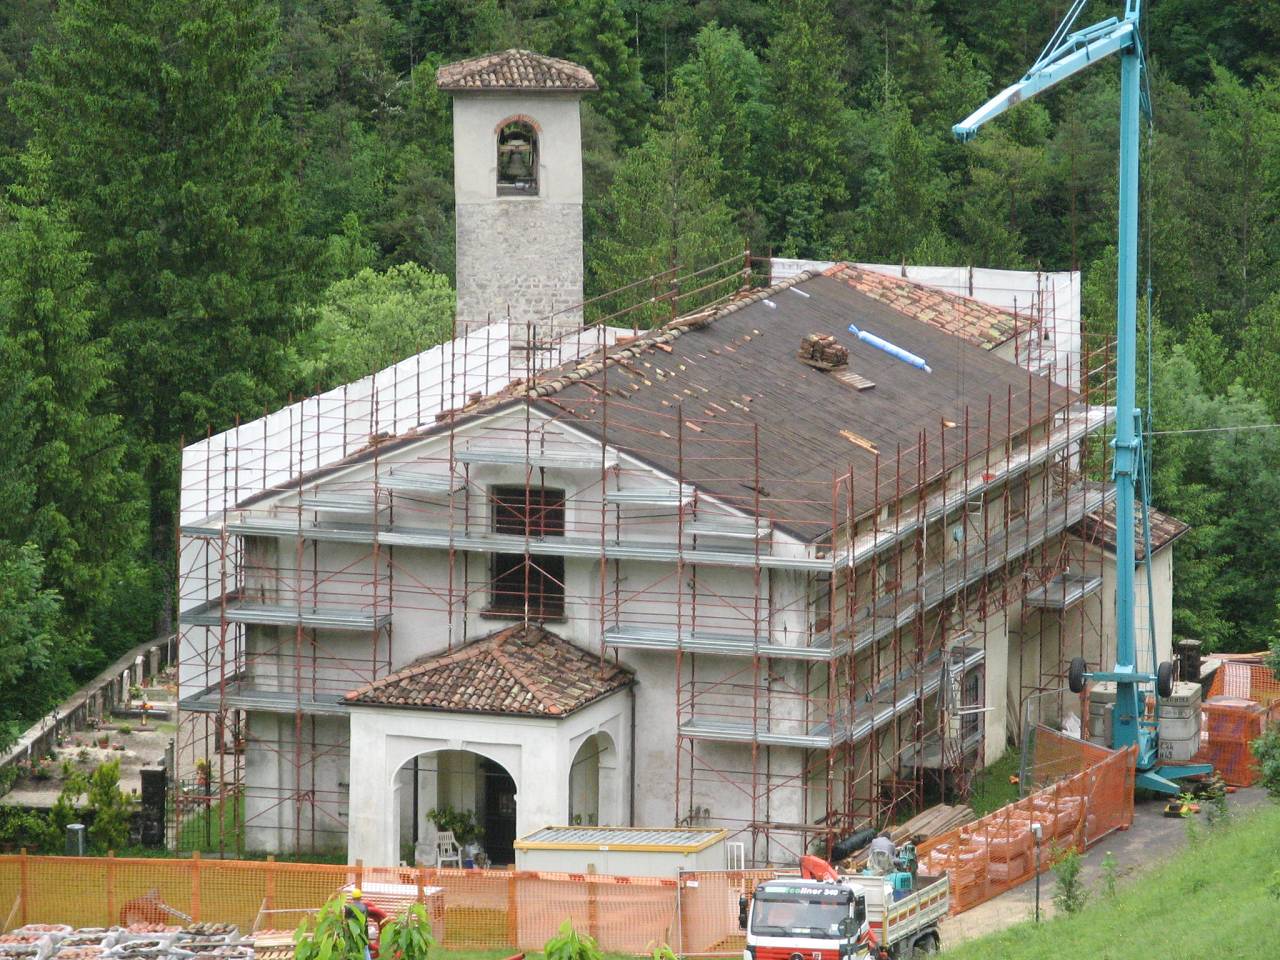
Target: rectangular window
[(530, 586)]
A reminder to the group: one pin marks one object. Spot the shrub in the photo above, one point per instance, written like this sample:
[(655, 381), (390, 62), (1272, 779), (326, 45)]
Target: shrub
[(111, 808), (568, 944), (407, 936), (1071, 895), (125, 729), (1110, 871), (332, 936), (1266, 750)]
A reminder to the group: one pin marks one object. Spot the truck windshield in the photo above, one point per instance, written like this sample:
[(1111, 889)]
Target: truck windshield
[(798, 918)]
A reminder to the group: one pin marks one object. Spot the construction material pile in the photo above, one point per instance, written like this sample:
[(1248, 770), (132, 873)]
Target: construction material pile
[(930, 823), (136, 941), (821, 350)]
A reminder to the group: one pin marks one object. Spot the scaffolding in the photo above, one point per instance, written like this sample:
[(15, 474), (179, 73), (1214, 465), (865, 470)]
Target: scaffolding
[(807, 712)]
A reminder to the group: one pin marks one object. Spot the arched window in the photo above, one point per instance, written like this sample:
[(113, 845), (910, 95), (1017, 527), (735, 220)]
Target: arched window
[(517, 159)]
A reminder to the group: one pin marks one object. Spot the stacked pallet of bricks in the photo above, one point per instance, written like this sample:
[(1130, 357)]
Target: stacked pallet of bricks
[(1243, 702), (996, 853)]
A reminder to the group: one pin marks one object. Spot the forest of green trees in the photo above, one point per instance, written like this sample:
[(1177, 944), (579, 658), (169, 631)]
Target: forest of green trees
[(210, 205)]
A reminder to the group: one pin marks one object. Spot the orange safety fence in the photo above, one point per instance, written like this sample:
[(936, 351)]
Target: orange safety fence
[(1242, 702), (1229, 727), (513, 910), (997, 853)]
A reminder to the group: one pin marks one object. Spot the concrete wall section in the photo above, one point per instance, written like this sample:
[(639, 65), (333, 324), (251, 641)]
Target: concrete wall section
[(537, 753)]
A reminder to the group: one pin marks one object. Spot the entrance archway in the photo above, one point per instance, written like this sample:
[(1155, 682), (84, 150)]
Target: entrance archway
[(462, 791), (593, 782)]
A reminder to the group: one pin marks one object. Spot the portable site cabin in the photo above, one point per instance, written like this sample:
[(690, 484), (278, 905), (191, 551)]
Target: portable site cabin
[(623, 851)]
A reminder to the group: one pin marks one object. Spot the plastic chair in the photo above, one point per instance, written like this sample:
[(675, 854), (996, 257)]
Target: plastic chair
[(447, 850)]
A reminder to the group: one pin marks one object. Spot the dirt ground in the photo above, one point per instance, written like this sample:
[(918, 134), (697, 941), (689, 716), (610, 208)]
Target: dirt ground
[(1152, 838)]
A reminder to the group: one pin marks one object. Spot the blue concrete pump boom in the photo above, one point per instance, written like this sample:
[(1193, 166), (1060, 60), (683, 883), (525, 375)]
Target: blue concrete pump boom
[(1067, 53)]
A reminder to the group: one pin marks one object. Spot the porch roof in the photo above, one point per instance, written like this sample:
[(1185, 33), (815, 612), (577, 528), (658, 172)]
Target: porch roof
[(522, 670)]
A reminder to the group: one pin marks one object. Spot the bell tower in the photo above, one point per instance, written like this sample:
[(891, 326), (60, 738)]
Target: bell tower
[(517, 176)]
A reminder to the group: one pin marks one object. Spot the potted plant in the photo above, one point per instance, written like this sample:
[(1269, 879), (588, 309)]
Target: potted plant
[(466, 829)]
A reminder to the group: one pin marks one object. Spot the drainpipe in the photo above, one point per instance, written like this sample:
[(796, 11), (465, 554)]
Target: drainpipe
[(631, 760)]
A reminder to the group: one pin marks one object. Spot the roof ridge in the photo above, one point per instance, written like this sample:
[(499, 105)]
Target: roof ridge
[(426, 663), (672, 330), (536, 687)]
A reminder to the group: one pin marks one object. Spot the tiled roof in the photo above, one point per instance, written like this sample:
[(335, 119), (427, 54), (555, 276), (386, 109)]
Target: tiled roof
[(1100, 527), (523, 670), (514, 70), (977, 322)]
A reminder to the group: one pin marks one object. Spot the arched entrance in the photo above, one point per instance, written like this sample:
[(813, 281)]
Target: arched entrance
[(593, 782), (462, 791)]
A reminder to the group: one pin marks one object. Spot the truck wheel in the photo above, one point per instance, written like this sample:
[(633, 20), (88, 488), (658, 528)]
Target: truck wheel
[(1075, 675), (926, 946), (1164, 679)]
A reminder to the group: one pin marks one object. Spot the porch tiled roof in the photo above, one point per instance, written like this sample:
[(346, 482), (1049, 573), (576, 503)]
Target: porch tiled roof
[(522, 670)]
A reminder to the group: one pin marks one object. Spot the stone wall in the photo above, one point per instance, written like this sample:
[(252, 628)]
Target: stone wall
[(522, 254)]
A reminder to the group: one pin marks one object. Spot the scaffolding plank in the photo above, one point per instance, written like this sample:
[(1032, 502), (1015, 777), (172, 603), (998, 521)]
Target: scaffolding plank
[(656, 497), (212, 613), (1063, 591), (737, 528), (563, 459), (335, 503), (655, 638), (409, 481), (487, 542)]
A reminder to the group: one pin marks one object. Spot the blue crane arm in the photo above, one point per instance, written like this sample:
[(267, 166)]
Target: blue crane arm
[(1076, 51)]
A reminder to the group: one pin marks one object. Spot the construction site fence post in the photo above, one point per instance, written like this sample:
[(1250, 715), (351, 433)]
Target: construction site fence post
[(195, 885), (24, 885)]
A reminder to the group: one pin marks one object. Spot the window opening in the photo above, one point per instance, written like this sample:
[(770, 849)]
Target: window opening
[(517, 160), (528, 586)]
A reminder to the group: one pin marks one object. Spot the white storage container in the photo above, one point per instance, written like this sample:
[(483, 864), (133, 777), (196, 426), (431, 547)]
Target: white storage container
[(623, 851)]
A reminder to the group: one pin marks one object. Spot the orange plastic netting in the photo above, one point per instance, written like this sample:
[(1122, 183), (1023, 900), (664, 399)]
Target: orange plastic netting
[(508, 910), (996, 853), (1242, 702)]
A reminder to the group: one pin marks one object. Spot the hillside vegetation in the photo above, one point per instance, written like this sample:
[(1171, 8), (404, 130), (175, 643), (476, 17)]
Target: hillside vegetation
[(1220, 897), (210, 206)]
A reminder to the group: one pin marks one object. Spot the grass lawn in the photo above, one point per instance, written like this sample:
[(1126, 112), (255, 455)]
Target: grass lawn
[(991, 787), (1218, 898)]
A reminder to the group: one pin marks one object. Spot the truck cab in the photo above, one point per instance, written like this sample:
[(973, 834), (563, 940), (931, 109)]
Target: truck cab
[(851, 916), (791, 917)]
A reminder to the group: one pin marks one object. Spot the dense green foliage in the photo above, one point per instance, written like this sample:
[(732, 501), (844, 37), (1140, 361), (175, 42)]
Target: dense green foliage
[(1228, 874), (211, 204)]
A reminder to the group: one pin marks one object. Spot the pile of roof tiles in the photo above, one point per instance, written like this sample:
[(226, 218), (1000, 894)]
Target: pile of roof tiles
[(137, 941), (822, 351)]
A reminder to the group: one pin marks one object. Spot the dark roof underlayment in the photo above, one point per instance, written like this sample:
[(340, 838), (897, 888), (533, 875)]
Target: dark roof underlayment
[(693, 397), (693, 405)]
